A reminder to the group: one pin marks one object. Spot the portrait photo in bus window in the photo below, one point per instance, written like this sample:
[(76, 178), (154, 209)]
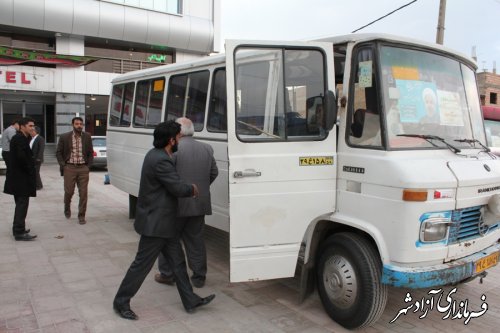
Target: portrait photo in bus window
[(428, 94), (187, 97), (217, 112)]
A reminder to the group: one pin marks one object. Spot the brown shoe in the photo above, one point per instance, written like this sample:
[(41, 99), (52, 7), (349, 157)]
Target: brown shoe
[(160, 278), (81, 220)]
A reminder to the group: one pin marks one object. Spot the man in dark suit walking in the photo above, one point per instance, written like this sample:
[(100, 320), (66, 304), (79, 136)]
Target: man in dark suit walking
[(38, 147), (195, 163), (20, 180), (156, 222), (75, 154)]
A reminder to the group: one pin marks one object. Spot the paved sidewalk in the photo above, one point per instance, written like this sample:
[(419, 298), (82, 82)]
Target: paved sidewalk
[(65, 281)]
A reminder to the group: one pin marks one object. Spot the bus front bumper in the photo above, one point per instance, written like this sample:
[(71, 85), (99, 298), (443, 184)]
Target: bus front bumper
[(443, 274)]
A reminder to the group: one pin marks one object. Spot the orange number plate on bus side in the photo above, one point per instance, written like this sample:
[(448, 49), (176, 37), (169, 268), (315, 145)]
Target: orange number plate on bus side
[(486, 262)]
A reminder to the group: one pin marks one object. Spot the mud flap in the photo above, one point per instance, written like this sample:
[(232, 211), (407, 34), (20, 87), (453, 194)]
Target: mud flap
[(307, 281)]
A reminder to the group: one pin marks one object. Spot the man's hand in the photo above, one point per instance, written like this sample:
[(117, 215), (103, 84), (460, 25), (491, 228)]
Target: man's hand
[(195, 191)]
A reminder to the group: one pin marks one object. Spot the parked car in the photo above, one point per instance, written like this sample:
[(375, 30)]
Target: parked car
[(100, 159), (3, 167)]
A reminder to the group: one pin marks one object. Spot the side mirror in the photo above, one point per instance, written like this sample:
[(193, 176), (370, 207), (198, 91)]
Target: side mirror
[(315, 115), (331, 110)]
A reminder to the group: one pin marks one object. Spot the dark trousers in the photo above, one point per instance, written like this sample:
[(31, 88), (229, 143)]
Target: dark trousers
[(39, 183), (148, 251), (20, 213), (76, 175), (193, 228)]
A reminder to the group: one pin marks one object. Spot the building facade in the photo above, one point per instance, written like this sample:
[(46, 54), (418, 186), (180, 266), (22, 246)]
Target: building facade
[(57, 58), (489, 88)]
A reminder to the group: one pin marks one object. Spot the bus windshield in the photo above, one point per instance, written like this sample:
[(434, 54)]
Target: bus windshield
[(428, 94)]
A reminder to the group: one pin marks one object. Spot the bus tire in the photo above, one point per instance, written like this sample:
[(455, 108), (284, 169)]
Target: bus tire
[(349, 281)]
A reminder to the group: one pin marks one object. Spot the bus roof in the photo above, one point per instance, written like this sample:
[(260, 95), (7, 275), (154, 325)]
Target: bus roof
[(357, 38), (491, 112), (220, 58), (205, 61)]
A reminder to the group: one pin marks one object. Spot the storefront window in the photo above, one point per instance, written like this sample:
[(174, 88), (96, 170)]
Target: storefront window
[(164, 6)]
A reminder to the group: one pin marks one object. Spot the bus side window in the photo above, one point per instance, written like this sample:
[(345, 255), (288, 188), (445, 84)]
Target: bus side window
[(148, 101), (279, 94), (364, 116), (116, 105), (217, 112), (121, 104), (187, 97)]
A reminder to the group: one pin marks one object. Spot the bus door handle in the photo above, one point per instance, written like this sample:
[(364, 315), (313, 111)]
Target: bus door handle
[(246, 173)]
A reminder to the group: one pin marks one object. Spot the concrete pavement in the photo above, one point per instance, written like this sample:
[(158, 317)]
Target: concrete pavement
[(65, 280)]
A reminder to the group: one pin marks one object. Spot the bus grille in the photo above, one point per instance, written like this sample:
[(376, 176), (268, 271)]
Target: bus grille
[(466, 225)]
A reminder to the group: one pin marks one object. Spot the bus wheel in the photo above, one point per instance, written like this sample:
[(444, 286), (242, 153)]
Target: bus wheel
[(349, 281)]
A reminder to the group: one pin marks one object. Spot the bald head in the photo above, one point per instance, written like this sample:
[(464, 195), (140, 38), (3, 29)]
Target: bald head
[(187, 128)]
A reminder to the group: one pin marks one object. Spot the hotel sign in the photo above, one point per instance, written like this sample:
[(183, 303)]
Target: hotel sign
[(14, 77)]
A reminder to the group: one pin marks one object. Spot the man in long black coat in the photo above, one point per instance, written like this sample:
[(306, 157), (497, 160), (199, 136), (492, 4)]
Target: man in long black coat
[(156, 222), (21, 179), (38, 148)]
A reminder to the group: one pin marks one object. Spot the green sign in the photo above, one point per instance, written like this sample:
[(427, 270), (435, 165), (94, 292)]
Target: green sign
[(157, 58), (10, 56)]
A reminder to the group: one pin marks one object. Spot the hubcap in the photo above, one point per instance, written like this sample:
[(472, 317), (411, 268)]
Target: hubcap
[(340, 282)]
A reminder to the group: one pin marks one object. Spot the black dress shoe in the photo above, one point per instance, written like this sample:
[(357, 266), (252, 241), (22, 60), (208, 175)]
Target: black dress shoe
[(203, 301), (67, 214), (125, 313), (24, 237)]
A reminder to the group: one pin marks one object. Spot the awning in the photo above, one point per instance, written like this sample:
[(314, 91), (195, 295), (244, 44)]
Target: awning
[(10, 56)]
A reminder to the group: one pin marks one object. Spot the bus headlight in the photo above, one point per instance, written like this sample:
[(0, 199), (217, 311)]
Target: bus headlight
[(434, 227)]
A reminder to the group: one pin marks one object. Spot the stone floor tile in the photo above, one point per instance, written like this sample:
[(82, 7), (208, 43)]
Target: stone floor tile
[(52, 317), (49, 303), (67, 283)]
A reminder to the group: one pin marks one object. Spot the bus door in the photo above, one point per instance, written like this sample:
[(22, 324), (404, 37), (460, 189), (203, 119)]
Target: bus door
[(282, 155)]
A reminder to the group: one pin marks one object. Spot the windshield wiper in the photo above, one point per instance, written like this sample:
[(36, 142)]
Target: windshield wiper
[(472, 141), (428, 138)]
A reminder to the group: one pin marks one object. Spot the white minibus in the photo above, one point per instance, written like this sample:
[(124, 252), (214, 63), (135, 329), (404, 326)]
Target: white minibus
[(358, 161)]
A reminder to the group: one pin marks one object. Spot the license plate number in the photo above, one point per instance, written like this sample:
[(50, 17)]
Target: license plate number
[(103, 153), (486, 262)]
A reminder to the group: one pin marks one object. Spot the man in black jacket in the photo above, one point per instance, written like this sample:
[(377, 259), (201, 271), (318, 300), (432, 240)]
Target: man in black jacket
[(20, 180), (156, 222), (195, 163), (38, 147)]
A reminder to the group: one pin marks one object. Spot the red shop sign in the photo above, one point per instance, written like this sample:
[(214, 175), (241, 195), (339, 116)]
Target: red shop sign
[(15, 77)]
